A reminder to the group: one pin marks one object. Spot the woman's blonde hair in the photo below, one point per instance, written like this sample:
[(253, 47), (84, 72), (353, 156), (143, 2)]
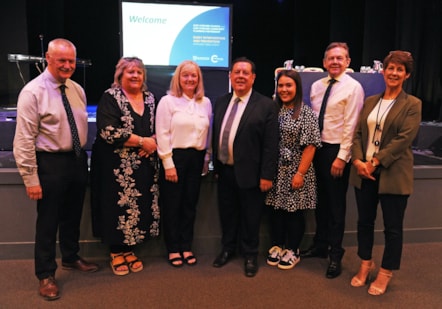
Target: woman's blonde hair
[(175, 88), (123, 64)]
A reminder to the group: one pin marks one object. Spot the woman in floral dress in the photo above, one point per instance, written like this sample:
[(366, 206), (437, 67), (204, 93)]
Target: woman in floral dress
[(294, 188), (124, 167)]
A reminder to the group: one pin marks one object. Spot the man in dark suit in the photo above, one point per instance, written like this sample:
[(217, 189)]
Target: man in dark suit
[(245, 159)]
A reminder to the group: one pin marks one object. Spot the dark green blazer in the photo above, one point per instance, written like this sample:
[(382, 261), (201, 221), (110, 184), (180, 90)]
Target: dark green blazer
[(395, 154)]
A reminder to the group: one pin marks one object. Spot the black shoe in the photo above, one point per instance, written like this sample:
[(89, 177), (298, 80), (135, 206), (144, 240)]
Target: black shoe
[(251, 266), (314, 252), (222, 259), (333, 270)]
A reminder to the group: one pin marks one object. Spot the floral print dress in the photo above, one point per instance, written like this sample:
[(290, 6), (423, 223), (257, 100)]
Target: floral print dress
[(294, 135), (124, 186)]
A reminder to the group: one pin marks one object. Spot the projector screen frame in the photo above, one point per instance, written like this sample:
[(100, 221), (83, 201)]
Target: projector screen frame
[(201, 62)]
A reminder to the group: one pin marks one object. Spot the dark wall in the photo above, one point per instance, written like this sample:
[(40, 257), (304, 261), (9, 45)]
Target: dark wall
[(13, 34), (268, 32), (93, 26), (261, 31)]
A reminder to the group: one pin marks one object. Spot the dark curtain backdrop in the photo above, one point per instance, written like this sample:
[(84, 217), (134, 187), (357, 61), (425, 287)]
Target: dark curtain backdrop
[(267, 31)]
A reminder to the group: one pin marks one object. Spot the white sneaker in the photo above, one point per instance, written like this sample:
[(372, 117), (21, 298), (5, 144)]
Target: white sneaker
[(274, 256), (289, 259)]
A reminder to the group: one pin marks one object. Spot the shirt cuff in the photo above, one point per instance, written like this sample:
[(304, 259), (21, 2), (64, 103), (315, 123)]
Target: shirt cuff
[(31, 180), (344, 155), (168, 163)]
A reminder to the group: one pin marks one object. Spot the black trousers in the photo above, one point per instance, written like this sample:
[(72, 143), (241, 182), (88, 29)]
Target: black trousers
[(240, 211), (179, 200), (286, 228), (63, 178), (332, 202), (393, 210)]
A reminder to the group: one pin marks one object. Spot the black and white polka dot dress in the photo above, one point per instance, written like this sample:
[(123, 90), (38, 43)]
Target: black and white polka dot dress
[(294, 135)]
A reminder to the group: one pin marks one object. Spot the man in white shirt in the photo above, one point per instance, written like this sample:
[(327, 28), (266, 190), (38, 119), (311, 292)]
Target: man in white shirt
[(54, 174), (332, 160)]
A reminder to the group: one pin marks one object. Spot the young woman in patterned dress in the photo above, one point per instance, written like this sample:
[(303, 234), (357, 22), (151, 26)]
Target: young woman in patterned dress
[(294, 188)]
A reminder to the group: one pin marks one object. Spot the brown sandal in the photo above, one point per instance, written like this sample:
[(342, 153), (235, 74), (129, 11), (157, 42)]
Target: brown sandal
[(118, 260), (131, 259)]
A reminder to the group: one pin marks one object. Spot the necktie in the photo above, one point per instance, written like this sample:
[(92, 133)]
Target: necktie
[(324, 104), (75, 139), (223, 155)]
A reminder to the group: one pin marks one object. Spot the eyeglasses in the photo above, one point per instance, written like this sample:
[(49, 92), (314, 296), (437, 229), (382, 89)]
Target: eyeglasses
[(406, 53)]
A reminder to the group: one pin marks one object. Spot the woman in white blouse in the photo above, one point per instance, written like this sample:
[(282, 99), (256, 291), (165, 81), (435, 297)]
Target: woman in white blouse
[(183, 120)]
